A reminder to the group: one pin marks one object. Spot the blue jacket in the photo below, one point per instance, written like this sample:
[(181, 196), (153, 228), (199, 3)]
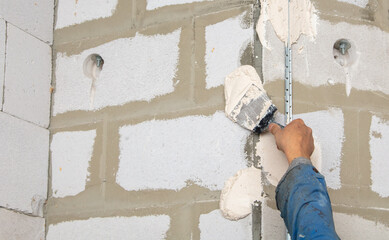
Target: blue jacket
[(304, 203)]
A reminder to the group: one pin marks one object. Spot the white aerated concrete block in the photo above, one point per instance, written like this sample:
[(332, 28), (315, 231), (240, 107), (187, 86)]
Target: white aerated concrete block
[(137, 68), (113, 228), (27, 77), (16, 226), (214, 226), (76, 12), (170, 154), (35, 17), (154, 4), (225, 44), (23, 164), (359, 3), (71, 153), (3, 36), (273, 226), (351, 227), (365, 69), (379, 138)]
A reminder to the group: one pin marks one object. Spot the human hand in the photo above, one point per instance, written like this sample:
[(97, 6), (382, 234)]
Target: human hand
[(295, 140)]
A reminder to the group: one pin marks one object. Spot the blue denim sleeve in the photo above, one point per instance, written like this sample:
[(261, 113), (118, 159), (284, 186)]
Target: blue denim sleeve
[(304, 203)]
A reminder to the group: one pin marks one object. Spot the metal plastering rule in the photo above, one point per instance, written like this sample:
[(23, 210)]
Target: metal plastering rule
[(288, 76)]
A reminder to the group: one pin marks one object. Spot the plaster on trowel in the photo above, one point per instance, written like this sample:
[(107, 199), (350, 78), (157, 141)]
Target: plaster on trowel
[(247, 103)]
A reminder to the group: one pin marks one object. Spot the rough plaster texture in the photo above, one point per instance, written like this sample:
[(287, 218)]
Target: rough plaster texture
[(364, 66), (115, 228), (154, 4), (16, 226), (351, 227), (328, 129), (71, 153), (225, 44), (359, 3), (23, 164), (75, 12), (34, 17), (167, 157), (214, 226), (3, 37), (27, 77), (379, 138), (142, 75)]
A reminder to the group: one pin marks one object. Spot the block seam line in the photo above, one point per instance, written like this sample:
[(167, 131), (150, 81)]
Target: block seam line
[(4, 67), (47, 43), (20, 212), (24, 120)]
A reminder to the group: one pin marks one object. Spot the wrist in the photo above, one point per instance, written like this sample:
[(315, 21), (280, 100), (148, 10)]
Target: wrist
[(291, 157)]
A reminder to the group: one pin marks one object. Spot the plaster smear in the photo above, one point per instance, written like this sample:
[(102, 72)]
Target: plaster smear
[(328, 131), (214, 226), (154, 4), (379, 138), (315, 64), (359, 3), (71, 153), (240, 192), (302, 20), (225, 44), (75, 12), (124, 77), (113, 228), (162, 154), (350, 227)]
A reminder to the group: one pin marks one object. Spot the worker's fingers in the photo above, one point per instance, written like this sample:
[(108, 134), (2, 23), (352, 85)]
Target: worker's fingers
[(274, 128)]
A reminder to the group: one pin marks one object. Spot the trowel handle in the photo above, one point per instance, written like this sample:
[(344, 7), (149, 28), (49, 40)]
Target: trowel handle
[(279, 124)]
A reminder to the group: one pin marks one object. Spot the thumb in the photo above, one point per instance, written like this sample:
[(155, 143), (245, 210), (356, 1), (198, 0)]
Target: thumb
[(274, 128)]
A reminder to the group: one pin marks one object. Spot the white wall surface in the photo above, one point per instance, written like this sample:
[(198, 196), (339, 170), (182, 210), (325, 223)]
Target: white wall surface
[(34, 17), (71, 153), (27, 77), (75, 12), (137, 68), (24, 149), (16, 226), (214, 226), (225, 44), (163, 155)]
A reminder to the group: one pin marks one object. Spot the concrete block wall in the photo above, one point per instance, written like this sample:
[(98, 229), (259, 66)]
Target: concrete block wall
[(143, 152), (26, 33), (145, 141)]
